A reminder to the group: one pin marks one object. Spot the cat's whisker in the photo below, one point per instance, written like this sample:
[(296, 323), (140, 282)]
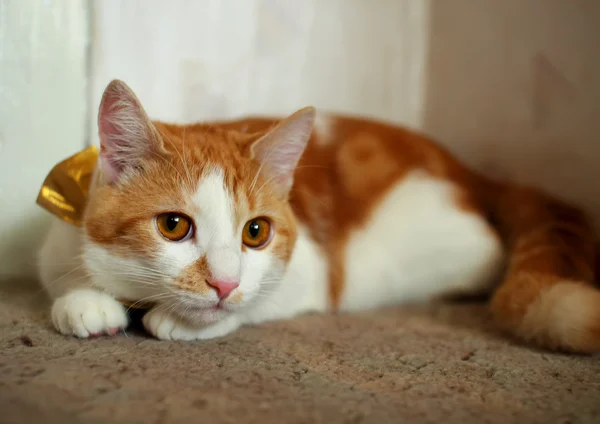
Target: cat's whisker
[(265, 183), (142, 274), (269, 283), (126, 276), (132, 271), (312, 166), (264, 294), (187, 308), (165, 136), (60, 278), (207, 128), (187, 170), (127, 335), (147, 271), (150, 277), (313, 198), (173, 308), (160, 306), (155, 297), (268, 300), (75, 260), (144, 269), (165, 160)]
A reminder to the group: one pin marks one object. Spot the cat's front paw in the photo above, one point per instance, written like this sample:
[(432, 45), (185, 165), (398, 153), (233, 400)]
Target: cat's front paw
[(87, 313), (166, 326)]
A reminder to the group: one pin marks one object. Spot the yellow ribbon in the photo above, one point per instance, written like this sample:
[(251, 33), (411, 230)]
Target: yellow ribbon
[(66, 188)]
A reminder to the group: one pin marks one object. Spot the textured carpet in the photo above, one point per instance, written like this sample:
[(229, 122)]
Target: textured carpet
[(441, 363)]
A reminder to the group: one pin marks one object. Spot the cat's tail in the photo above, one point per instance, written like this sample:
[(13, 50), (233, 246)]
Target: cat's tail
[(548, 295)]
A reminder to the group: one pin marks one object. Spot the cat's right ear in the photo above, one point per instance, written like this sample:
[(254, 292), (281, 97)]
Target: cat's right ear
[(280, 149), (127, 136)]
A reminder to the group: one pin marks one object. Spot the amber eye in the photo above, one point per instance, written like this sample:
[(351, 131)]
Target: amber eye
[(256, 233), (174, 226)]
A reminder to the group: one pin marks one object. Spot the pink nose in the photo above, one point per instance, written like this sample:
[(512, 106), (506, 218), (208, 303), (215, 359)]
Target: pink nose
[(223, 287)]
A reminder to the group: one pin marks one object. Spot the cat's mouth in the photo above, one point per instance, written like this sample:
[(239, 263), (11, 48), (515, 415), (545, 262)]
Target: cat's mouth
[(218, 306)]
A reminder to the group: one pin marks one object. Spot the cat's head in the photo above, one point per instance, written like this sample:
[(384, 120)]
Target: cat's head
[(194, 218)]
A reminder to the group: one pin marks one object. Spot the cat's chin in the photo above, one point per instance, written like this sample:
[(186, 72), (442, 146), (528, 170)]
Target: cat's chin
[(202, 315)]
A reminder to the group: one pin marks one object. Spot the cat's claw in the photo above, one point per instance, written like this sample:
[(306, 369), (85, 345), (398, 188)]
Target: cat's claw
[(109, 332), (88, 313)]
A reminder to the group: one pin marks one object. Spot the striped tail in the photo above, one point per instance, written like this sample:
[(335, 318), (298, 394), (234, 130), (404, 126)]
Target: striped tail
[(548, 295)]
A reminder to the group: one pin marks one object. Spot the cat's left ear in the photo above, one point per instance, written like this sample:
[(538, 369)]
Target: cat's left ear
[(280, 149)]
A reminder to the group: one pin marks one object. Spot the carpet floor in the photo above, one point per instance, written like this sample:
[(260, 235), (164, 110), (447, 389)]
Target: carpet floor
[(440, 363)]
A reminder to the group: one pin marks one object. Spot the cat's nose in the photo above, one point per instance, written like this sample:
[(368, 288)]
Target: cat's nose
[(223, 287)]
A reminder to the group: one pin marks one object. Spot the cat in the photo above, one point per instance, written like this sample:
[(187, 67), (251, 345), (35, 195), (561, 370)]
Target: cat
[(231, 223)]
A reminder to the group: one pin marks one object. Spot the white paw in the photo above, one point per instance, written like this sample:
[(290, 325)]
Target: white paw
[(87, 312), (165, 326)]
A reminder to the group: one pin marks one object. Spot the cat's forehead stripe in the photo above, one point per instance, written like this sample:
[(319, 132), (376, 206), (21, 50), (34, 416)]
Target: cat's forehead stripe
[(216, 204)]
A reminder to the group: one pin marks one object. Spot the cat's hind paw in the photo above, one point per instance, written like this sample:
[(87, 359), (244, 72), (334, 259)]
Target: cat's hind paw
[(88, 313)]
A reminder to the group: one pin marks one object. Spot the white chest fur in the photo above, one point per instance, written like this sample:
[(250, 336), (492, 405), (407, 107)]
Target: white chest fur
[(304, 287), (419, 244)]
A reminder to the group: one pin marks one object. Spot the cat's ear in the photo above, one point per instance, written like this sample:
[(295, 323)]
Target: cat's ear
[(280, 149), (127, 135)]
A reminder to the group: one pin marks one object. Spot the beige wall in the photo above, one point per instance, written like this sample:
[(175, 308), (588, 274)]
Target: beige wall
[(513, 87)]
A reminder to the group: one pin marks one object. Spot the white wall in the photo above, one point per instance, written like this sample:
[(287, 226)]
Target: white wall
[(42, 113), (195, 60)]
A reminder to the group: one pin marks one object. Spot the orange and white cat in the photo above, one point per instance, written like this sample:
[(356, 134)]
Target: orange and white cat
[(231, 223)]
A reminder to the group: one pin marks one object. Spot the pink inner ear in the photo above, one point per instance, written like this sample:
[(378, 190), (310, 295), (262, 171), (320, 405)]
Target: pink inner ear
[(281, 149), (110, 166), (284, 160), (124, 130)]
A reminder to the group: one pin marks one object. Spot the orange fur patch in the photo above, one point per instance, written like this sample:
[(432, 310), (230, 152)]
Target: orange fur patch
[(552, 255), (194, 277)]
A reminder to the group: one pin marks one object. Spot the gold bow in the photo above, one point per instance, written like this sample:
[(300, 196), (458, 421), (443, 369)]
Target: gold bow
[(66, 188)]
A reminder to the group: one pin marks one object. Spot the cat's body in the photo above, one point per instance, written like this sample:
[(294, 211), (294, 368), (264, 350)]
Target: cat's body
[(360, 214)]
